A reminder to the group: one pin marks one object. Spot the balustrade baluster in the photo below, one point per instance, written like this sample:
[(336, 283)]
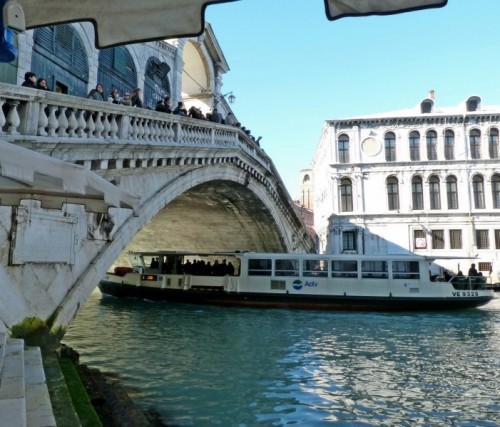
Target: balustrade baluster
[(113, 127), (171, 132), (147, 130), (62, 122), (140, 128), (165, 131), (42, 121), (135, 128), (53, 122), (106, 125), (3, 120), (155, 130), (81, 124), (99, 127), (72, 123), (90, 124), (13, 120), (162, 131)]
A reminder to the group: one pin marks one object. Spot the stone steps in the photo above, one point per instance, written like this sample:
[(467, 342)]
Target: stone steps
[(24, 397)]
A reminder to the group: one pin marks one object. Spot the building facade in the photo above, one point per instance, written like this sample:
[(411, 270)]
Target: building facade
[(424, 180), (188, 69)]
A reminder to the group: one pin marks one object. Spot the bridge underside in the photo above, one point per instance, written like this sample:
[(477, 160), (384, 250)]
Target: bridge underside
[(213, 216)]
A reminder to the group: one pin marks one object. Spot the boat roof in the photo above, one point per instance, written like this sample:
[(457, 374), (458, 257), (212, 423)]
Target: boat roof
[(299, 255)]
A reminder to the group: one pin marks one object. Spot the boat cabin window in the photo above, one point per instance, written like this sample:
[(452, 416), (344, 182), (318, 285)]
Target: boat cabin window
[(315, 268), (345, 268), (136, 260), (374, 270), (405, 270), (260, 267), (286, 267)]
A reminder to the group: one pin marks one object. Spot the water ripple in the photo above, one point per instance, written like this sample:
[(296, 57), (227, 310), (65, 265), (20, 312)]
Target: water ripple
[(241, 367)]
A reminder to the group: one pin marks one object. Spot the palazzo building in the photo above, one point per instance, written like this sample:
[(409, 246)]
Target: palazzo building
[(424, 180)]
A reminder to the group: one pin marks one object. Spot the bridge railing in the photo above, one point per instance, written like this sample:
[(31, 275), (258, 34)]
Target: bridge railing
[(28, 113)]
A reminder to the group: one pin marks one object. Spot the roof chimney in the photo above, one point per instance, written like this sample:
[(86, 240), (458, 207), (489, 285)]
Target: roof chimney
[(431, 94)]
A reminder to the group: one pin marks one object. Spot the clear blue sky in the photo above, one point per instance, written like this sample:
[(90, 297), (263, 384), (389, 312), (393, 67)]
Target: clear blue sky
[(292, 69)]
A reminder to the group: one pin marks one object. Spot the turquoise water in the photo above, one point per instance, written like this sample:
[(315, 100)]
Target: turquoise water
[(212, 366)]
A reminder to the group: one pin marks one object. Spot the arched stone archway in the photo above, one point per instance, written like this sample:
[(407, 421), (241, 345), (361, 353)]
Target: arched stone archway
[(203, 209), (197, 82)]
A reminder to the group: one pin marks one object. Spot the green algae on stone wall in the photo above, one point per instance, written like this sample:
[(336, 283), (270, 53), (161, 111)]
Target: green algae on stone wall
[(37, 332)]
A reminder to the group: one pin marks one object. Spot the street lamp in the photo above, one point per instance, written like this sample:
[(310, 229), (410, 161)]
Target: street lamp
[(230, 97)]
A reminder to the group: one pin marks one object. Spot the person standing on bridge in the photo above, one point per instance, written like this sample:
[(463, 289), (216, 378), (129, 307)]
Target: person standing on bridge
[(29, 80), (180, 109), (41, 84), (136, 98), (96, 94)]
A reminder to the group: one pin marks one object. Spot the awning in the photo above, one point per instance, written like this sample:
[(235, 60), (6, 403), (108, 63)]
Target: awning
[(26, 174), (129, 21), (123, 21), (336, 9)]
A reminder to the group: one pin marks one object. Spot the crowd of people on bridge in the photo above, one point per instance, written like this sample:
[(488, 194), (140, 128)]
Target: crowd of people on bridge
[(135, 100)]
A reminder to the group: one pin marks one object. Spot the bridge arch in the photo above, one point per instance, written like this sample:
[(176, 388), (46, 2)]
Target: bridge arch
[(210, 208)]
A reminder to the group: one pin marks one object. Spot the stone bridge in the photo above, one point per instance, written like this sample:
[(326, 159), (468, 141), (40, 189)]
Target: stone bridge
[(82, 181)]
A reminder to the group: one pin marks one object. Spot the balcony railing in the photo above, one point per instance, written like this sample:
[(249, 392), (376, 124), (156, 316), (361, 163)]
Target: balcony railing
[(28, 113)]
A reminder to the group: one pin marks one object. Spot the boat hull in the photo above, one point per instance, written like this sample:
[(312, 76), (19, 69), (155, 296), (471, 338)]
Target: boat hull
[(212, 296)]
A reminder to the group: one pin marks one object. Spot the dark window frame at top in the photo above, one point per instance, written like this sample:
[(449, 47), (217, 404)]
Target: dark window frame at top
[(392, 186), (435, 192), (495, 190), (449, 144), (478, 191), (349, 240), (493, 143), (417, 193), (343, 148), (475, 144), (414, 142), (482, 239), (437, 239), (346, 199), (452, 192), (390, 146), (431, 143), (455, 238)]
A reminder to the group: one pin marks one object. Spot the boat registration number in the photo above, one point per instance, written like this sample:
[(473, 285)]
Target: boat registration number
[(466, 294)]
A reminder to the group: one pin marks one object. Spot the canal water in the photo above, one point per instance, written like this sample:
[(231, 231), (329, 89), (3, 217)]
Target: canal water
[(212, 366)]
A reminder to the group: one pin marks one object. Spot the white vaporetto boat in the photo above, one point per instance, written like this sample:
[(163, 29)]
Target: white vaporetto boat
[(302, 281)]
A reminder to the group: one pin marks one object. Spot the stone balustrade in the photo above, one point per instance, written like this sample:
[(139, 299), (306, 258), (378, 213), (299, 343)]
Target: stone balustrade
[(49, 116), (53, 123)]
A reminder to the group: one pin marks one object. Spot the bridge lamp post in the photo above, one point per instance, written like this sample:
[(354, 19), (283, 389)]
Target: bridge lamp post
[(230, 97)]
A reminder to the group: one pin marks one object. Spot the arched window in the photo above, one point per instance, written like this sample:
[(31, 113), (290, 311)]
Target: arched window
[(449, 144), (431, 137), (493, 143), (475, 144), (59, 56), (390, 147), (116, 70), (434, 192), (343, 148), (417, 194), (478, 191), (495, 190), (414, 145), (346, 195), (452, 192), (392, 193)]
